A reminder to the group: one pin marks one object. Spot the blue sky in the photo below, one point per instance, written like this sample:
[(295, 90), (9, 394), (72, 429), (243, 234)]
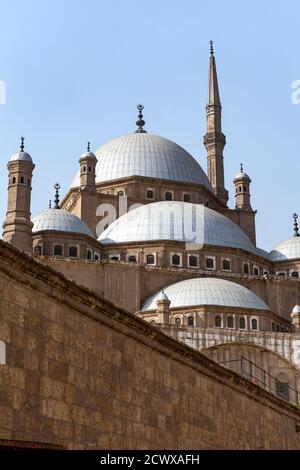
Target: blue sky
[(74, 71)]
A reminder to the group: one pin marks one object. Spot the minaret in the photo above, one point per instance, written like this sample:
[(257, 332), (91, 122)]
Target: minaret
[(242, 190), (214, 139), (88, 163), (17, 226)]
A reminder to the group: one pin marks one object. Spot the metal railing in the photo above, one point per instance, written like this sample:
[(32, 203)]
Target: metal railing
[(261, 377)]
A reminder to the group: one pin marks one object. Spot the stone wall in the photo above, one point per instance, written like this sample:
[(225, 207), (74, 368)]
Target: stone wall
[(82, 373), (128, 285)]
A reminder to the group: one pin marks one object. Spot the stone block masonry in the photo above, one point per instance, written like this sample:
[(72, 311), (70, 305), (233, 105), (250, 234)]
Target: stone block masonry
[(78, 372)]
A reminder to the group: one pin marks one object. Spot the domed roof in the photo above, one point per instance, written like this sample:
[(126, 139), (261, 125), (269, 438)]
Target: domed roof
[(60, 220), (149, 155), (207, 291), (242, 175), (296, 309), (179, 221), (20, 155), (286, 250)]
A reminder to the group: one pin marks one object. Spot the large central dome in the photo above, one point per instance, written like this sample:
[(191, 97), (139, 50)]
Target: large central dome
[(149, 155)]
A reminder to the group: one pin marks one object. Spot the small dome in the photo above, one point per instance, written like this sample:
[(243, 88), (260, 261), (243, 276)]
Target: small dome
[(207, 291), (178, 221), (21, 155), (60, 220), (242, 175), (149, 155), (88, 155), (296, 309), (286, 250), (163, 296)]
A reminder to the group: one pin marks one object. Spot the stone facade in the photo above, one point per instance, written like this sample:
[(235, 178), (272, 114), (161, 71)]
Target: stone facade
[(81, 373)]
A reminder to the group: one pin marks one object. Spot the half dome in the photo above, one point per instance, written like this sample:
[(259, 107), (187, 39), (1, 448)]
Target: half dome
[(286, 250), (207, 291), (60, 220), (178, 221), (149, 155)]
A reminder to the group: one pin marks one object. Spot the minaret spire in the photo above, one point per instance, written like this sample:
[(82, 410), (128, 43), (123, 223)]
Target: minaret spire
[(296, 229), (214, 139)]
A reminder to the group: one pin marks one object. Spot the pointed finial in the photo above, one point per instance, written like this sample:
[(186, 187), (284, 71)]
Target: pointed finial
[(211, 47), (296, 231), (242, 169), (56, 198), (22, 146), (88, 147), (140, 121), (50, 204)]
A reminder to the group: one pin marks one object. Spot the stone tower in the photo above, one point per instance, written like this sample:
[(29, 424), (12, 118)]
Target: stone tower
[(86, 203), (163, 309), (17, 225), (88, 163), (242, 190), (214, 139)]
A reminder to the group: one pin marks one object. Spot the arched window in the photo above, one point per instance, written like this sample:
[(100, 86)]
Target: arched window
[(255, 271), (254, 324), (193, 261), (294, 274), (176, 260), (273, 326), (114, 258), (22, 179), (246, 268), (210, 263), (187, 198), (149, 194), (96, 257), (245, 189), (218, 321), (89, 169), (230, 322), (88, 254), (150, 259), (14, 180), (132, 259), (58, 250), (177, 321), (73, 252), (242, 323), (120, 193), (190, 321), (168, 196), (277, 328), (240, 189), (226, 265)]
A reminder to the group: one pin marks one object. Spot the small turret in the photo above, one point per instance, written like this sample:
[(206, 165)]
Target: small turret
[(88, 161), (296, 317), (163, 309), (17, 225), (242, 190)]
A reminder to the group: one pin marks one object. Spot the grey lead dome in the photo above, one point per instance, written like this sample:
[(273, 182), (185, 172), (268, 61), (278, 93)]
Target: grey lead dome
[(207, 291), (286, 250), (149, 155), (21, 155), (179, 221), (60, 220)]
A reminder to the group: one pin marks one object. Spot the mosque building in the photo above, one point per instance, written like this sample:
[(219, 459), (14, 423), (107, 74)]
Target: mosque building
[(144, 226)]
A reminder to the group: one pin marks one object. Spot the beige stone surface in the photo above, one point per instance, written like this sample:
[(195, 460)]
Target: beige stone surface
[(82, 373)]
